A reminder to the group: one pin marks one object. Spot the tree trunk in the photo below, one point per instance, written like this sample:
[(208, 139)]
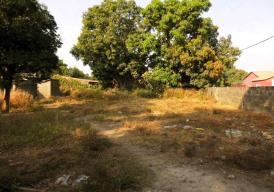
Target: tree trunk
[(8, 86)]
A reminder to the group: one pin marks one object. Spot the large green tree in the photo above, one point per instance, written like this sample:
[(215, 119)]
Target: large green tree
[(126, 45), (70, 71), (28, 43), (175, 36), (103, 42), (228, 55)]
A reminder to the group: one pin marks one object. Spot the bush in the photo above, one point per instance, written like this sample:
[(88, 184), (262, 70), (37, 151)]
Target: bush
[(160, 78), (76, 89)]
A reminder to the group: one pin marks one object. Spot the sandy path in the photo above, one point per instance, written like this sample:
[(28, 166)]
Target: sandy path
[(173, 176)]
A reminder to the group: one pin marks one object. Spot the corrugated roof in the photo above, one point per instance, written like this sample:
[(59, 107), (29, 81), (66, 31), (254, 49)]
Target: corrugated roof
[(81, 80), (263, 75)]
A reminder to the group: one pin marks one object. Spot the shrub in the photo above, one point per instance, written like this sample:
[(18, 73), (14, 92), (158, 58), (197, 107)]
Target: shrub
[(79, 90), (160, 78)]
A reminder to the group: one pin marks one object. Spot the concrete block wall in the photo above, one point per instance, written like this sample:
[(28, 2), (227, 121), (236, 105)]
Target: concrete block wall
[(55, 88), (260, 99), (44, 89), (48, 89), (28, 86)]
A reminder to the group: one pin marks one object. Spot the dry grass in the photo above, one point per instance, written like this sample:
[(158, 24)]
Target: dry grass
[(206, 139), (19, 101), (97, 93), (37, 148), (144, 121), (185, 93)]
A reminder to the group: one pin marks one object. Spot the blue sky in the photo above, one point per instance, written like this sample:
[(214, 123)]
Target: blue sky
[(247, 21)]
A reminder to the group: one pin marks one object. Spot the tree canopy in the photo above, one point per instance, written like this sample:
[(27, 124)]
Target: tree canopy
[(70, 72), (28, 42), (186, 42), (125, 44), (102, 43)]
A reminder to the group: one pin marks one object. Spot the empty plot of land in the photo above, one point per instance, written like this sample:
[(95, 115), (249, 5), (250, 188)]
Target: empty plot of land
[(126, 143)]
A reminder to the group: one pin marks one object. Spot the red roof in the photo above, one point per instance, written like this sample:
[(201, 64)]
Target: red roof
[(262, 75)]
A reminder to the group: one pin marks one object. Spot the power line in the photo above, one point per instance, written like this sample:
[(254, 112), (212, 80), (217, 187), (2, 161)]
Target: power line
[(257, 43)]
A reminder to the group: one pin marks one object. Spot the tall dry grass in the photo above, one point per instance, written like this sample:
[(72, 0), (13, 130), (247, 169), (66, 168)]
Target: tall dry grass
[(19, 100), (185, 93), (97, 93)]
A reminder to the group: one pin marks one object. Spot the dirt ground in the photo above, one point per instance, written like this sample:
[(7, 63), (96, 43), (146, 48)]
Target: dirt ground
[(169, 171), (170, 175)]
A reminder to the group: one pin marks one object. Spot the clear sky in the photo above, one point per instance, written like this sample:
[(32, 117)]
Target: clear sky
[(248, 21)]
